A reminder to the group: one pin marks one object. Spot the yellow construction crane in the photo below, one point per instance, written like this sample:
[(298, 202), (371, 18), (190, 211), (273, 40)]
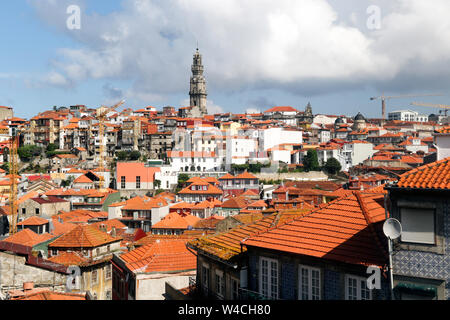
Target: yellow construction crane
[(384, 98), (13, 173), (432, 105), (101, 117)]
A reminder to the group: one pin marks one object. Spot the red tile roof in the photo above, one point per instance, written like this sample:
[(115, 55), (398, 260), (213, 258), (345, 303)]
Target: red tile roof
[(50, 295), (160, 257), (28, 238), (175, 221), (281, 109), (245, 175), (435, 175), (82, 179), (48, 199), (343, 230), (69, 259), (83, 236), (33, 221), (227, 245), (210, 189), (443, 130)]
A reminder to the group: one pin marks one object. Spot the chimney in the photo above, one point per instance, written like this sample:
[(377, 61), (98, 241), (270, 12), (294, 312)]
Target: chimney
[(113, 232), (28, 286)]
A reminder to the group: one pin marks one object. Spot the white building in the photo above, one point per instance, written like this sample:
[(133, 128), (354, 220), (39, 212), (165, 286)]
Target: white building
[(239, 148), (354, 153), (324, 119), (442, 142), (271, 137), (407, 115), (190, 161)]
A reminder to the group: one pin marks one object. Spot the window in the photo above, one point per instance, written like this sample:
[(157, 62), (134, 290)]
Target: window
[(220, 284), (108, 272), (269, 278), (108, 295), (417, 225), (234, 289), (97, 251), (122, 182), (37, 210), (356, 288), (54, 252), (205, 277), (138, 182), (309, 283), (24, 210), (94, 276)]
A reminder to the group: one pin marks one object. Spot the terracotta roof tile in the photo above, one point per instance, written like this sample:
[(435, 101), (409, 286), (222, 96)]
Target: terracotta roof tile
[(227, 245), (85, 236), (28, 238), (341, 230), (33, 221), (163, 256), (175, 221), (435, 175), (50, 295)]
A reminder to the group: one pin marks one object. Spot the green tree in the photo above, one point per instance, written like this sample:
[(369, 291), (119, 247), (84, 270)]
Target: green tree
[(51, 147), (182, 178), (121, 155), (26, 153), (311, 161), (134, 155), (157, 184), (332, 166)]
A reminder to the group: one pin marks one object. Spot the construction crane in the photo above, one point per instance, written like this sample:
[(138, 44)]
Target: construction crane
[(432, 105), (13, 173), (384, 98), (101, 117)]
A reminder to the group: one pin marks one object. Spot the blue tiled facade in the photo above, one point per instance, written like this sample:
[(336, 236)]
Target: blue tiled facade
[(332, 283), (288, 277), (332, 276), (424, 264)]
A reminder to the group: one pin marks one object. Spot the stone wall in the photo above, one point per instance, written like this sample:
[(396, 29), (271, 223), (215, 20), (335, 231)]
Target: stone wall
[(14, 272)]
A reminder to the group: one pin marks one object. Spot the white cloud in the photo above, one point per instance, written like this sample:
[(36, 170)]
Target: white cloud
[(56, 79), (300, 45)]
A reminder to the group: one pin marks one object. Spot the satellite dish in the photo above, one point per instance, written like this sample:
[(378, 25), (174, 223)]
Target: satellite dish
[(392, 228)]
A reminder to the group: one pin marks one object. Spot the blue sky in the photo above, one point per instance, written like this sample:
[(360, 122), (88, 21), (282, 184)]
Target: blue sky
[(257, 54)]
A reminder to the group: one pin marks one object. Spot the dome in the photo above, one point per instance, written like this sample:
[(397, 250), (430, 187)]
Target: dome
[(339, 120), (359, 116)]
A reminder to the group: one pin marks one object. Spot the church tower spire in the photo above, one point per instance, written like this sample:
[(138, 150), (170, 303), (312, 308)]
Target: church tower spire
[(198, 92)]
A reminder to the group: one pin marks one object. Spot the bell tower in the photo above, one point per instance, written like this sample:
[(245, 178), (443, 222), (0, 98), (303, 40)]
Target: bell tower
[(198, 92)]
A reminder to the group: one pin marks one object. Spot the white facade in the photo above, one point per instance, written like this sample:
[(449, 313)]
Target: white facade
[(442, 143), (407, 115), (168, 176), (416, 146), (268, 138), (324, 154), (324, 119), (281, 155), (194, 161), (355, 153), (238, 149)]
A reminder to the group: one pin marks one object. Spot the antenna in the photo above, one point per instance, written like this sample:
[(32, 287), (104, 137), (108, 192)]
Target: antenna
[(392, 229)]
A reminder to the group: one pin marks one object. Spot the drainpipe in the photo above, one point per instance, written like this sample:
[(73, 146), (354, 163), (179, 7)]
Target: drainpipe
[(391, 273)]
